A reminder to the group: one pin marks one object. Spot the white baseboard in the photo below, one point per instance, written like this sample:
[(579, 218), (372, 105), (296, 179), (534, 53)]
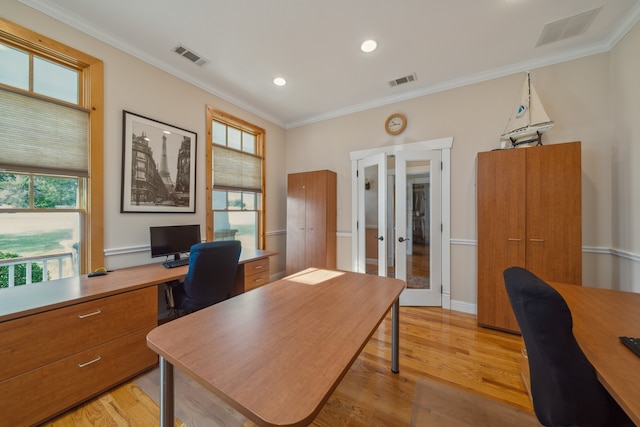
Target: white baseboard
[(464, 307)]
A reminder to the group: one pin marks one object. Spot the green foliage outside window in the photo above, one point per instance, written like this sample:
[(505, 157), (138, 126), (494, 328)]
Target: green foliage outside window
[(52, 192), (20, 272), (14, 190), (48, 191), (237, 204)]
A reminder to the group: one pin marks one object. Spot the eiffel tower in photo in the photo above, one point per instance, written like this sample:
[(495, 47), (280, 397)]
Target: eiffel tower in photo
[(164, 167)]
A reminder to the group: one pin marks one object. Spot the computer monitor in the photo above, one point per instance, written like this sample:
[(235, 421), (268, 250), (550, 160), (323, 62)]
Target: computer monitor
[(173, 239)]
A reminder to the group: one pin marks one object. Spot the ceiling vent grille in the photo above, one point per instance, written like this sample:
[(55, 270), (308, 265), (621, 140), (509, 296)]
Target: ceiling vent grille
[(190, 55), (568, 27), (402, 80)]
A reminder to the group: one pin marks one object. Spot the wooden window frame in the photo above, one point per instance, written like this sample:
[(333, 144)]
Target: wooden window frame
[(91, 97), (260, 135)]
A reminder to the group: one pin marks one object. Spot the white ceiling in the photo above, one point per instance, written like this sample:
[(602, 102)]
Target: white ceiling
[(315, 45)]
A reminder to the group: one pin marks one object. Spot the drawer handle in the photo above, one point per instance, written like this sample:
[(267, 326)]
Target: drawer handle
[(257, 280), (82, 365), (536, 240), (511, 239), (82, 316), (524, 353), (258, 267)]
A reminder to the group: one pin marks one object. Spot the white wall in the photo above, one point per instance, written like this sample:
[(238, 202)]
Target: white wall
[(133, 85), (625, 191), (577, 95), (593, 99)]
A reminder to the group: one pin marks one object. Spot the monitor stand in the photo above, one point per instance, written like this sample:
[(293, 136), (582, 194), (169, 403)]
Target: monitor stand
[(176, 257)]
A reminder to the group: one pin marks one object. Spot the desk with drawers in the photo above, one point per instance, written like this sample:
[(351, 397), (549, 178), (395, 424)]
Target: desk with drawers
[(65, 341)]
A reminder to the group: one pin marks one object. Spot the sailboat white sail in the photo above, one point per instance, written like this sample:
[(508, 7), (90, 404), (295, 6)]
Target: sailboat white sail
[(529, 120)]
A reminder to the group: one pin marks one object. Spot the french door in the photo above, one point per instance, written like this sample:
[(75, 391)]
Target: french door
[(399, 221)]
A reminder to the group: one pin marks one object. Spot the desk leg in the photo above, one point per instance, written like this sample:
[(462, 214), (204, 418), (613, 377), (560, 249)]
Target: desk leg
[(166, 393), (395, 336)]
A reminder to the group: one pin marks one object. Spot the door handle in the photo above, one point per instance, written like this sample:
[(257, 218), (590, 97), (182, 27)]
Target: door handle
[(402, 239), (381, 238)]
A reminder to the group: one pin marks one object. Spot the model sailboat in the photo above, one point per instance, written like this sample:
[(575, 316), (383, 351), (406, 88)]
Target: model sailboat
[(529, 119)]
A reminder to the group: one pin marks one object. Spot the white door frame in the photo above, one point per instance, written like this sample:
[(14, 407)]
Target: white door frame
[(442, 144)]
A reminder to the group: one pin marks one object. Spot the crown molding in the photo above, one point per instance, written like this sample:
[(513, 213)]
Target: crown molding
[(74, 21)]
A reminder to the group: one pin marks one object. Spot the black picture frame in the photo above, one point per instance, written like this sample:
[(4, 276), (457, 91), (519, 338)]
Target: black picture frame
[(158, 166)]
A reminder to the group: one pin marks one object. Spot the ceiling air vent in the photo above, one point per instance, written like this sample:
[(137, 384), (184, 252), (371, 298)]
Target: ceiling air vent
[(190, 55), (568, 27), (403, 80)]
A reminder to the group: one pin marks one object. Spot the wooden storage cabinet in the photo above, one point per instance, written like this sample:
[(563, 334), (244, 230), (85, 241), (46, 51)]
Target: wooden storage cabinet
[(529, 215), (55, 359), (311, 220)]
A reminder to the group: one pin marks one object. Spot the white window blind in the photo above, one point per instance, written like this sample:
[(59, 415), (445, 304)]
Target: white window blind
[(236, 170), (41, 136)]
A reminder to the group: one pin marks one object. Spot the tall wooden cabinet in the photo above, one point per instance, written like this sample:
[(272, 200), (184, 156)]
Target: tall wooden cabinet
[(529, 215), (311, 220)]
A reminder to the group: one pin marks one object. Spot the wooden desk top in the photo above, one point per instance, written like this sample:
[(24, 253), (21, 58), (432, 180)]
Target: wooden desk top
[(277, 352), (30, 299), (600, 316)]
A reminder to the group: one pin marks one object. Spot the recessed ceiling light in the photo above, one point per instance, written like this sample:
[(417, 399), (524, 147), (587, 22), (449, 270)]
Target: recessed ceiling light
[(368, 46), (279, 81)]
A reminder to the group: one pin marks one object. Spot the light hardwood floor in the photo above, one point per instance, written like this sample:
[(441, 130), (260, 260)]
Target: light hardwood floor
[(438, 344)]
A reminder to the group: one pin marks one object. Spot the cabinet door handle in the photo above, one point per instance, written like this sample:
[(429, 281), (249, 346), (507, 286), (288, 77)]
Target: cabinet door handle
[(82, 365), (82, 316), (524, 353), (511, 239), (536, 240)]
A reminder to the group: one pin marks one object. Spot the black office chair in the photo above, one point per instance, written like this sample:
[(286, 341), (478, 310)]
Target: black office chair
[(564, 386), (210, 279)]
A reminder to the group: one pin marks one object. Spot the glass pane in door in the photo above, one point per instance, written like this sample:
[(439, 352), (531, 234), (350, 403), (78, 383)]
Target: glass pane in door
[(418, 223), (372, 215), (371, 219)]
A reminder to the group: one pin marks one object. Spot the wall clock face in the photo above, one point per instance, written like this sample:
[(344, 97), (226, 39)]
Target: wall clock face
[(395, 124)]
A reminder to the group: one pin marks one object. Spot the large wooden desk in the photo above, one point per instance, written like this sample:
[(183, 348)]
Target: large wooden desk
[(276, 353), (600, 316), (64, 341), (22, 301)]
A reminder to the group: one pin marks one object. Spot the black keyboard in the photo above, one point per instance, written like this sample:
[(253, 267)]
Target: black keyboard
[(632, 344), (176, 263)]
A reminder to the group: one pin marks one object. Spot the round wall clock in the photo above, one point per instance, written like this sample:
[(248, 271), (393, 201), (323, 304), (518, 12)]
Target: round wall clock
[(395, 123)]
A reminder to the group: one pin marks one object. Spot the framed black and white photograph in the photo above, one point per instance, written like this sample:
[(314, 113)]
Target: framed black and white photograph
[(158, 166)]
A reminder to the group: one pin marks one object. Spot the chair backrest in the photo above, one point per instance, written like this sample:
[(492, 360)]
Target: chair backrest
[(211, 275), (564, 386)]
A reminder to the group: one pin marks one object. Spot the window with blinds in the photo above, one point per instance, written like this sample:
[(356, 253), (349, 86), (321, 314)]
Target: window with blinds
[(50, 198), (235, 169), (42, 136)]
